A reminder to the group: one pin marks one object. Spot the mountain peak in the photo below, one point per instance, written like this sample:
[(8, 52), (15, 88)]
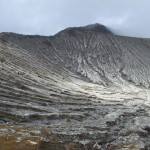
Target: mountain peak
[(92, 28), (97, 27)]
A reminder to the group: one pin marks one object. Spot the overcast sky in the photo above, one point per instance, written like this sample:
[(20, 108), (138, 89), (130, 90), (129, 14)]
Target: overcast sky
[(47, 17)]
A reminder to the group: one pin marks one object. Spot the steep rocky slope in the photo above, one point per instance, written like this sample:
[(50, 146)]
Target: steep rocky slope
[(84, 88)]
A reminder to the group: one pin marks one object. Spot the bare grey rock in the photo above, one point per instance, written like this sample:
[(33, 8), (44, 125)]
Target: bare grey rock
[(84, 84)]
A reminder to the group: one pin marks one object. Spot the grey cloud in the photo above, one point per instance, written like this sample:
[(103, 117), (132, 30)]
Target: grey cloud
[(47, 17)]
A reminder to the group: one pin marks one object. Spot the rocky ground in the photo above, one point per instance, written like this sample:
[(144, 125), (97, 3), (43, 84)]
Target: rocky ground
[(82, 89)]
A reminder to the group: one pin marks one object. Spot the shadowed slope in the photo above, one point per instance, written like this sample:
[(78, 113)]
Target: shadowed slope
[(92, 53)]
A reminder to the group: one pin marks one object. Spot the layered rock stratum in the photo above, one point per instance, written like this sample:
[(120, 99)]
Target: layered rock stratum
[(84, 88)]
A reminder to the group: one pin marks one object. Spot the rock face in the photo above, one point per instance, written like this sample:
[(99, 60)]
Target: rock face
[(84, 88)]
